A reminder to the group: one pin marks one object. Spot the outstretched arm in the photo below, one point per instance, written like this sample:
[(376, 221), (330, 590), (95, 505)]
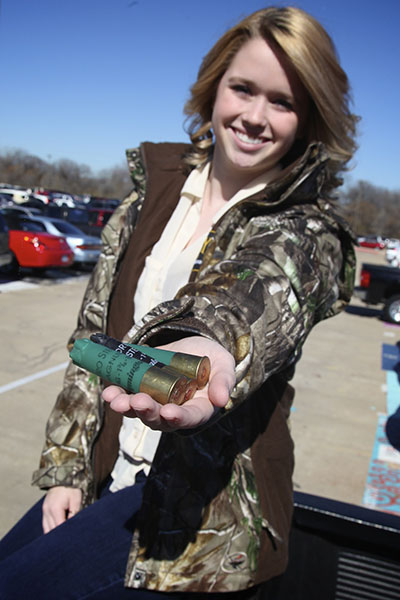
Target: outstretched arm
[(194, 412)]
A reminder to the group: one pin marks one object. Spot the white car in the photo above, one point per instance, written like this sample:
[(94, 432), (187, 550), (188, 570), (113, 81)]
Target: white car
[(16, 194), (86, 248), (393, 253), (62, 199)]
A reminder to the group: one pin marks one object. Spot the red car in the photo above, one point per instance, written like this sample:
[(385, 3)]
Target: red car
[(36, 249), (372, 241), (98, 217)]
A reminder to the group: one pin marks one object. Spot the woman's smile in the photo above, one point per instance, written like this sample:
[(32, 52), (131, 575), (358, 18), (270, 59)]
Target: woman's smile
[(248, 139)]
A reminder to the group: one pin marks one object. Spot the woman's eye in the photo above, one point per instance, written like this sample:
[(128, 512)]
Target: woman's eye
[(241, 88), (284, 103)]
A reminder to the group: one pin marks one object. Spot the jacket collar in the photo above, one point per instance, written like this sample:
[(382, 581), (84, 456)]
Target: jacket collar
[(299, 181), (302, 179)]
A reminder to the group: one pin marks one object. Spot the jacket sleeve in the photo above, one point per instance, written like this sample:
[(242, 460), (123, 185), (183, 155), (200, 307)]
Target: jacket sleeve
[(286, 273), (77, 415)]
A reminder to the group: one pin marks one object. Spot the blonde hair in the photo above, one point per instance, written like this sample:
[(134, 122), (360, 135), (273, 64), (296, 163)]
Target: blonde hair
[(312, 55)]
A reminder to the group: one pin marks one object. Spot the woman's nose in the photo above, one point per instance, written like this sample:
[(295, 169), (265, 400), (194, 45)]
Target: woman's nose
[(256, 113)]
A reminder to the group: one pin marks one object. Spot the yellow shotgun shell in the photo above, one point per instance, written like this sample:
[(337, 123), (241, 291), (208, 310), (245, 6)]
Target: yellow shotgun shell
[(165, 386), (194, 367)]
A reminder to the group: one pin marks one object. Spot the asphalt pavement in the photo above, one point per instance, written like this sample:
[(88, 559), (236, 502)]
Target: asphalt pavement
[(340, 389)]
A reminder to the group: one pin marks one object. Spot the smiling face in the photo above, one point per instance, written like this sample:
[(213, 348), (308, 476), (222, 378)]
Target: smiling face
[(259, 107)]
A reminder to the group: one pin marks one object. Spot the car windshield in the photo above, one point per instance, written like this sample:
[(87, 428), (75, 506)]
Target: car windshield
[(28, 225), (23, 224), (66, 228)]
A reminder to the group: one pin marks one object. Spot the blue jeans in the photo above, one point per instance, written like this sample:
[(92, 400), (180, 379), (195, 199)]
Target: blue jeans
[(84, 558)]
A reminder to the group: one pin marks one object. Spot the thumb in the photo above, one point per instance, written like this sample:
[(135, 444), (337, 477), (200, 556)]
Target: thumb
[(219, 389), (75, 503)]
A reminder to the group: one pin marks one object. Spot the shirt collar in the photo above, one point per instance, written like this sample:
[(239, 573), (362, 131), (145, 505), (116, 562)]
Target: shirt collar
[(196, 182)]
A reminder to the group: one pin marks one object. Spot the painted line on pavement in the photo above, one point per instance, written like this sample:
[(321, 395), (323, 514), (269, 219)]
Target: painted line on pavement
[(39, 375), (13, 286)]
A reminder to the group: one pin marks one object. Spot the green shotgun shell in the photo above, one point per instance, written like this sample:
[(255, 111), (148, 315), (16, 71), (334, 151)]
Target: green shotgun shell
[(131, 374), (194, 367)]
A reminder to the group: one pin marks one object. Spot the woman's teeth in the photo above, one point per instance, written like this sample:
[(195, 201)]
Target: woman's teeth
[(247, 139)]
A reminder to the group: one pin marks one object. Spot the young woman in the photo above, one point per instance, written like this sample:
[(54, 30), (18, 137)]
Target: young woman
[(231, 248)]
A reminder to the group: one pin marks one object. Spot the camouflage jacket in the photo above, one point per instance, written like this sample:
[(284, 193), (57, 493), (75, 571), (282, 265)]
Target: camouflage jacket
[(218, 501)]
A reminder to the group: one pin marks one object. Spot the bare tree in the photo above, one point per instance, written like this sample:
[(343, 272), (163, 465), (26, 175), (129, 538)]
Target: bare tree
[(371, 209), (23, 169)]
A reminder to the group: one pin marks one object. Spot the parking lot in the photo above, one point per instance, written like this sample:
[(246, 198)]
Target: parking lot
[(340, 388)]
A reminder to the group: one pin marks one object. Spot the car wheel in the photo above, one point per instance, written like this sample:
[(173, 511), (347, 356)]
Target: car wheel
[(391, 310), (12, 268)]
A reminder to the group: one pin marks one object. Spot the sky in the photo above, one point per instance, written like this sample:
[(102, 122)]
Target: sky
[(86, 79)]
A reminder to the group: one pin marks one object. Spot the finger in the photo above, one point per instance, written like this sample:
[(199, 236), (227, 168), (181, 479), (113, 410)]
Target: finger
[(110, 392), (75, 505), (139, 404), (122, 403), (192, 414), (166, 417), (47, 524), (50, 521), (118, 400), (127, 404), (47, 519), (59, 516), (220, 387)]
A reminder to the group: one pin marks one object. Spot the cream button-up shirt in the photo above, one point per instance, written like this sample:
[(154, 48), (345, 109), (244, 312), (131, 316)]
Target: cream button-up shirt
[(166, 270)]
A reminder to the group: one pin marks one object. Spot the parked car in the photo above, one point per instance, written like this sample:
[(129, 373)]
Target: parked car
[(41, 194), (6, 256), (35, 201), (98, 217), (381, 285), (6, 200), (86, 248), (111, 203), (20, 211), (62, 199), (32, 247), (78, 216), (17, 194), (393, 252), (372, 241)]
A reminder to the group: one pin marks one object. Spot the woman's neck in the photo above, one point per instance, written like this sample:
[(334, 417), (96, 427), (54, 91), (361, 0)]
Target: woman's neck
[(221, 187)]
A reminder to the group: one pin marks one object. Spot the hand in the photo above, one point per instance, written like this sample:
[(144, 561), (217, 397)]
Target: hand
[(61, 503), (194, 412)]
